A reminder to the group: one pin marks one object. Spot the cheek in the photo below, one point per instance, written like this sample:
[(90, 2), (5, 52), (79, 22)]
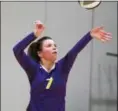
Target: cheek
[(47, 53)]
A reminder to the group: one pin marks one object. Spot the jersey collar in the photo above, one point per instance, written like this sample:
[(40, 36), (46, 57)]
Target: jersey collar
[(41, 66)]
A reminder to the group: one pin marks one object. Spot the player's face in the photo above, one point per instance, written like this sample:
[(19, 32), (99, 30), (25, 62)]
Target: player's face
[(49, 50)]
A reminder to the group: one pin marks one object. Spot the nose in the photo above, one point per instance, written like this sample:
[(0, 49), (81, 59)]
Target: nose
[(54, 48)]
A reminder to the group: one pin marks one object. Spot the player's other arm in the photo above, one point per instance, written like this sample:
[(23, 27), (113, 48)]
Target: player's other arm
[(67, 61)]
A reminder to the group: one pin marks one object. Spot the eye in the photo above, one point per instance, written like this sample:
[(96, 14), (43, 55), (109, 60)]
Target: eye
[(49, 45)]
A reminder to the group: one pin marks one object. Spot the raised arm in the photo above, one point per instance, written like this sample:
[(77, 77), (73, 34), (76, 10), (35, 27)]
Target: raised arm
[(24, 60), (67, 61)]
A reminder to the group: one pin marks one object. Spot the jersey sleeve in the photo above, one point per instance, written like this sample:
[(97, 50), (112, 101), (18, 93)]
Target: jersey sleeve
[(67, 61), (24, 60)]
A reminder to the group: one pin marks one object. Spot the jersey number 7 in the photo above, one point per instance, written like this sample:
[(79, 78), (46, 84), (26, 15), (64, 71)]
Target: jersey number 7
[(50, 80)]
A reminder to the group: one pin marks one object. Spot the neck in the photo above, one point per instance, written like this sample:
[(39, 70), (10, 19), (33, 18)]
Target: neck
[(47, 64)]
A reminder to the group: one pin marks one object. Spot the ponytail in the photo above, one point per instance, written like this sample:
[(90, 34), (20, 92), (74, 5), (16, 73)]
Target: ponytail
[(32, 51)]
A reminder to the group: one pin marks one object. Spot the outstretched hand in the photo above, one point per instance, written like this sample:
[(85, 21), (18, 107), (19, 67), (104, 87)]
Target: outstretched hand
[(38, 28), (100, 34)]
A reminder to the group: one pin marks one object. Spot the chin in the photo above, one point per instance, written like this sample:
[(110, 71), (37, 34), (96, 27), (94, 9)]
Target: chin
[(54, 60)]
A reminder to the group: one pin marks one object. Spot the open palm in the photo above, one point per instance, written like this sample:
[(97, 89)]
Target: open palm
[(100, 34)]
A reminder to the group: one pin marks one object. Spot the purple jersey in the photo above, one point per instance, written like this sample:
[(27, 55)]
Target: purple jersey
[(48, 89)]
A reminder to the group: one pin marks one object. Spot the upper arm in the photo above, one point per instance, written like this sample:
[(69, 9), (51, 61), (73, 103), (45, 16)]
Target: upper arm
[(26, 63), (67, 62)]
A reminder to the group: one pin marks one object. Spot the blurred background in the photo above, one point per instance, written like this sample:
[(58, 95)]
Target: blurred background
[(92, 83)]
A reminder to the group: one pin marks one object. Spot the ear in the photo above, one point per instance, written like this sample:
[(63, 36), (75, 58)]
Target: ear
[(39, 54)]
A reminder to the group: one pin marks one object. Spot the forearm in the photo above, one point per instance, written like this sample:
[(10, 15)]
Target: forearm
[(24, 43), (80, 44)]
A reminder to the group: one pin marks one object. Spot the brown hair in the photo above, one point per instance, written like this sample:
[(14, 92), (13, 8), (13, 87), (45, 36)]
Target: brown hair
[(35, 47)]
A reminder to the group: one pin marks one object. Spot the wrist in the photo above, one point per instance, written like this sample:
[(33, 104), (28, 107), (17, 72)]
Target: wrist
[(36, 34), (91, 34)]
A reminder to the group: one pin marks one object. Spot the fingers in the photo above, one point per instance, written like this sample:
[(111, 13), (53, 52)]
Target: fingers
[(105, 37), (105, 33), (101, 27), (39, 25), (104, 40), (38, 22)]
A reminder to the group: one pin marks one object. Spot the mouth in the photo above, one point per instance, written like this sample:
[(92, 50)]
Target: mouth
[(55, 52)]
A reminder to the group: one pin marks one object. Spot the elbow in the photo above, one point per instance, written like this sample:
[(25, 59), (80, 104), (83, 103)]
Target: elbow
[(15, 51)]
